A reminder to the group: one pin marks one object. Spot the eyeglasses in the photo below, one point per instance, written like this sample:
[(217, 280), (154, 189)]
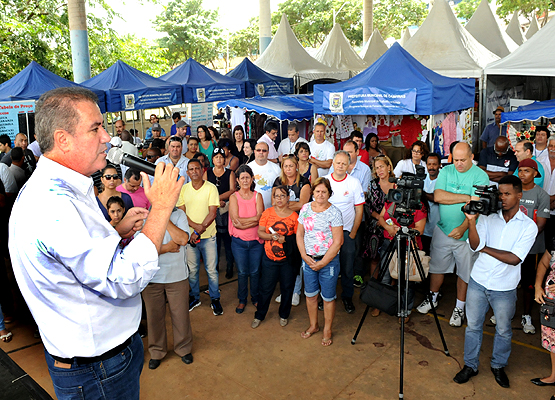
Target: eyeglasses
[(416, 151), (110, 177), (261, 150)]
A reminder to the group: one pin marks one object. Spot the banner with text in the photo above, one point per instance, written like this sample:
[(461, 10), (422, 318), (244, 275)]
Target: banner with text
[(200, 114), (13, 118), (371, 101)]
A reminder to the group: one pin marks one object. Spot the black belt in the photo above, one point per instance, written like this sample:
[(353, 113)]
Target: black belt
[(316, 258), (90, 360)]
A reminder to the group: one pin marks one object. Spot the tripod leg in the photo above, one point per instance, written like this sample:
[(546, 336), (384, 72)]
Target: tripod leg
[(428, 294), (354, 340)]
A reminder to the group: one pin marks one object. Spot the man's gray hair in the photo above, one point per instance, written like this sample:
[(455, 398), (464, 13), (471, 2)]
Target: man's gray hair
[(342, 152), (56, 109), (293, 127)]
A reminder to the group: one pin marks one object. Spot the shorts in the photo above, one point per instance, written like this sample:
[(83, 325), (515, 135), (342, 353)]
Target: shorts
[(445, 252), (324, 280)]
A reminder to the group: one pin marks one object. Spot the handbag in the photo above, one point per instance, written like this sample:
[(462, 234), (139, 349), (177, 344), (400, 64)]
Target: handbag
[(383, 297), (414, 276), (547, 314)]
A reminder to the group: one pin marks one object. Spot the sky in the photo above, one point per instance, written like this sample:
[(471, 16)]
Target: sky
[(138, 18)]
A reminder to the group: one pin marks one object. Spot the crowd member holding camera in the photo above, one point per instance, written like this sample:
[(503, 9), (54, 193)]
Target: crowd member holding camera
[(417, 155), (348, 196), (454, 187), (535, 204), (502, 240)]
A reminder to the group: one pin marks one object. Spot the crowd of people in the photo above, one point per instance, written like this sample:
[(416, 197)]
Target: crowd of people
[(299, 214)]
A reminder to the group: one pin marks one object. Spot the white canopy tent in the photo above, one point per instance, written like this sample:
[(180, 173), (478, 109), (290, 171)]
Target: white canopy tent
[(533, 28), (405, 37), (336, 52), (374, 48), (286, 57), (484, 26), (444, 46), (514, 30)]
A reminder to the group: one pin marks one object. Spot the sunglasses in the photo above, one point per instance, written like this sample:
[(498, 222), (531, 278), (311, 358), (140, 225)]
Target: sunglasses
[(109, 177), (261, 150)]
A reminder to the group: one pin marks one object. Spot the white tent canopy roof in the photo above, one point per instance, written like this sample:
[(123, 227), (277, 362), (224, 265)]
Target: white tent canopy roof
[(374, 48), (285, 56), (336, 52), (533, 58), (485, 28), (533, 28), (405, 37), (445, 47), (514, 30)]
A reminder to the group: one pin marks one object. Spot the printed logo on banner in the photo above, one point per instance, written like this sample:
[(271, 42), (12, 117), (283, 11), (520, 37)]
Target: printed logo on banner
[(129, 101), (201, 95), (260, 89), (336, 102)]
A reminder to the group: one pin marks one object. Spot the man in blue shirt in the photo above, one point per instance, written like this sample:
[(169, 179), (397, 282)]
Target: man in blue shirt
[(493, 130), (498, 160)]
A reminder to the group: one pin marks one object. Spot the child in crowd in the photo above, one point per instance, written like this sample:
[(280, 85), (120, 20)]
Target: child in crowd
[(116, 208)]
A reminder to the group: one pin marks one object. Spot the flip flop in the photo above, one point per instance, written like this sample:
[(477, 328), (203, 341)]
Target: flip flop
[(306, 334), (326, 342), (7, 337)]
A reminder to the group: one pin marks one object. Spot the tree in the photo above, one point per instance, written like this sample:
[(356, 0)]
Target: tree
[(391, 17), (245, 41), (506, 8), (465, 9), (191, 32)]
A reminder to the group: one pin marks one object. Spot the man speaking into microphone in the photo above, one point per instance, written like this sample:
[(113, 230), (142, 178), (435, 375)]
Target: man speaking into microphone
[(81, 285)]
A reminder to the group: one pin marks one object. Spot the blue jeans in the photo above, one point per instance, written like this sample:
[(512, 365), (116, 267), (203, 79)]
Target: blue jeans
[(298, 283), (2, 325), (324, 279), (347, 262), (478, 301), (209, 251), (248, 255), (114, 378)]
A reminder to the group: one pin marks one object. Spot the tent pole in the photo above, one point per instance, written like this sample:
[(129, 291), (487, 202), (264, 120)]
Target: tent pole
[(481, 109), (141, 115)]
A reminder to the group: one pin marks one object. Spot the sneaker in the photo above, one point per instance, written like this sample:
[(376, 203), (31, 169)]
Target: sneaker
[(527, 326), (493, 320), (457, 317), (193, 303), (358, 281), (216, 307), (296, 299), (255, 323), (283, 321), (278, 299), (425, 307)]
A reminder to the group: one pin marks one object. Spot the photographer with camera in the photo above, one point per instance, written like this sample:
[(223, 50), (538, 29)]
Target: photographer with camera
[(502, 240), (454, 188)]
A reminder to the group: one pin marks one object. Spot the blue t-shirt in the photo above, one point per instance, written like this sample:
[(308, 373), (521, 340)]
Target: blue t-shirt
[(491, 133)]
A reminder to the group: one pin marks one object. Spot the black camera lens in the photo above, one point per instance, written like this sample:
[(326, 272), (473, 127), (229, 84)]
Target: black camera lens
[(397, 196)]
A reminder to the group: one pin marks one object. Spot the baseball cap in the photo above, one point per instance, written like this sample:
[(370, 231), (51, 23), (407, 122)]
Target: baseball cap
[(531, 164), (156, 127), (181, 124), (218, 150)]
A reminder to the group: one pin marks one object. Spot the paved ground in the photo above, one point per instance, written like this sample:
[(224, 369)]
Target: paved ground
[(234, 361)]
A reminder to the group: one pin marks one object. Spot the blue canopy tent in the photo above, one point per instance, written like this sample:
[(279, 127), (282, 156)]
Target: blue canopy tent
[(129, 89), (293, 107), (531, 112), (259, 82), (34, 80), (200, 84), (395, 84)]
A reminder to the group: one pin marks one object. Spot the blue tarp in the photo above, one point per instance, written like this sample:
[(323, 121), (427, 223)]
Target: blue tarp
[(201, 84), (387, 87), (293, 107), (531, 112), (128, 89), (259, 82), (35, 80)]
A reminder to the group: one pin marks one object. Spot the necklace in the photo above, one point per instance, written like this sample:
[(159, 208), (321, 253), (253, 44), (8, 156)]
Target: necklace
[(536, 154)]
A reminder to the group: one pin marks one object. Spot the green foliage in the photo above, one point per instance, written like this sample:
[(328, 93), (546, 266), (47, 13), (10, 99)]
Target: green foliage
[(506, 8), (391, 17), (245, 41), (465, 9), (191, 32)]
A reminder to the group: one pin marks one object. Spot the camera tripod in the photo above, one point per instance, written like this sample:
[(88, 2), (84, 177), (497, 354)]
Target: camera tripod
[(404, 240)]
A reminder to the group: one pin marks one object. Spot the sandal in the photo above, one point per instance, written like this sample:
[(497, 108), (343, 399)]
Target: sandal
[(376, 312), (7, 337), (240, 308), (306, 334), (326, 342)]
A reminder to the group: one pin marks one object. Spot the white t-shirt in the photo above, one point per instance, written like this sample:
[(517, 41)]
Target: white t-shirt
[(407, 166), (264, 177), (272, 153), (323, 152), (433, 214), (346, 195), (286, 147)]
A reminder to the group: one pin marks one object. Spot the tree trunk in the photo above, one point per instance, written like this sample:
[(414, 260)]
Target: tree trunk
[(367, 12)]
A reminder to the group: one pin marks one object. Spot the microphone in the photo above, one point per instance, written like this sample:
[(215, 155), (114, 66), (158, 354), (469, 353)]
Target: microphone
[(118, 156)]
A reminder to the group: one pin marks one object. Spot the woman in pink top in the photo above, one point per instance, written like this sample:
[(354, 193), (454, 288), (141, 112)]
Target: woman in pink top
[(245, 209)]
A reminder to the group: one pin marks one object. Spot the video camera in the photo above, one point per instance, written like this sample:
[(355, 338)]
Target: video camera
[(407, 195), (488, 203)]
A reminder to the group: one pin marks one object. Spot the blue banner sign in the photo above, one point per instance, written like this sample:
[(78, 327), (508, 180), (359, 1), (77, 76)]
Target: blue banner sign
[(371, 101)]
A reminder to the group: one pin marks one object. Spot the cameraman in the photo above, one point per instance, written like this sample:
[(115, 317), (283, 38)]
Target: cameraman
[(502, 240), (454, 187)]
